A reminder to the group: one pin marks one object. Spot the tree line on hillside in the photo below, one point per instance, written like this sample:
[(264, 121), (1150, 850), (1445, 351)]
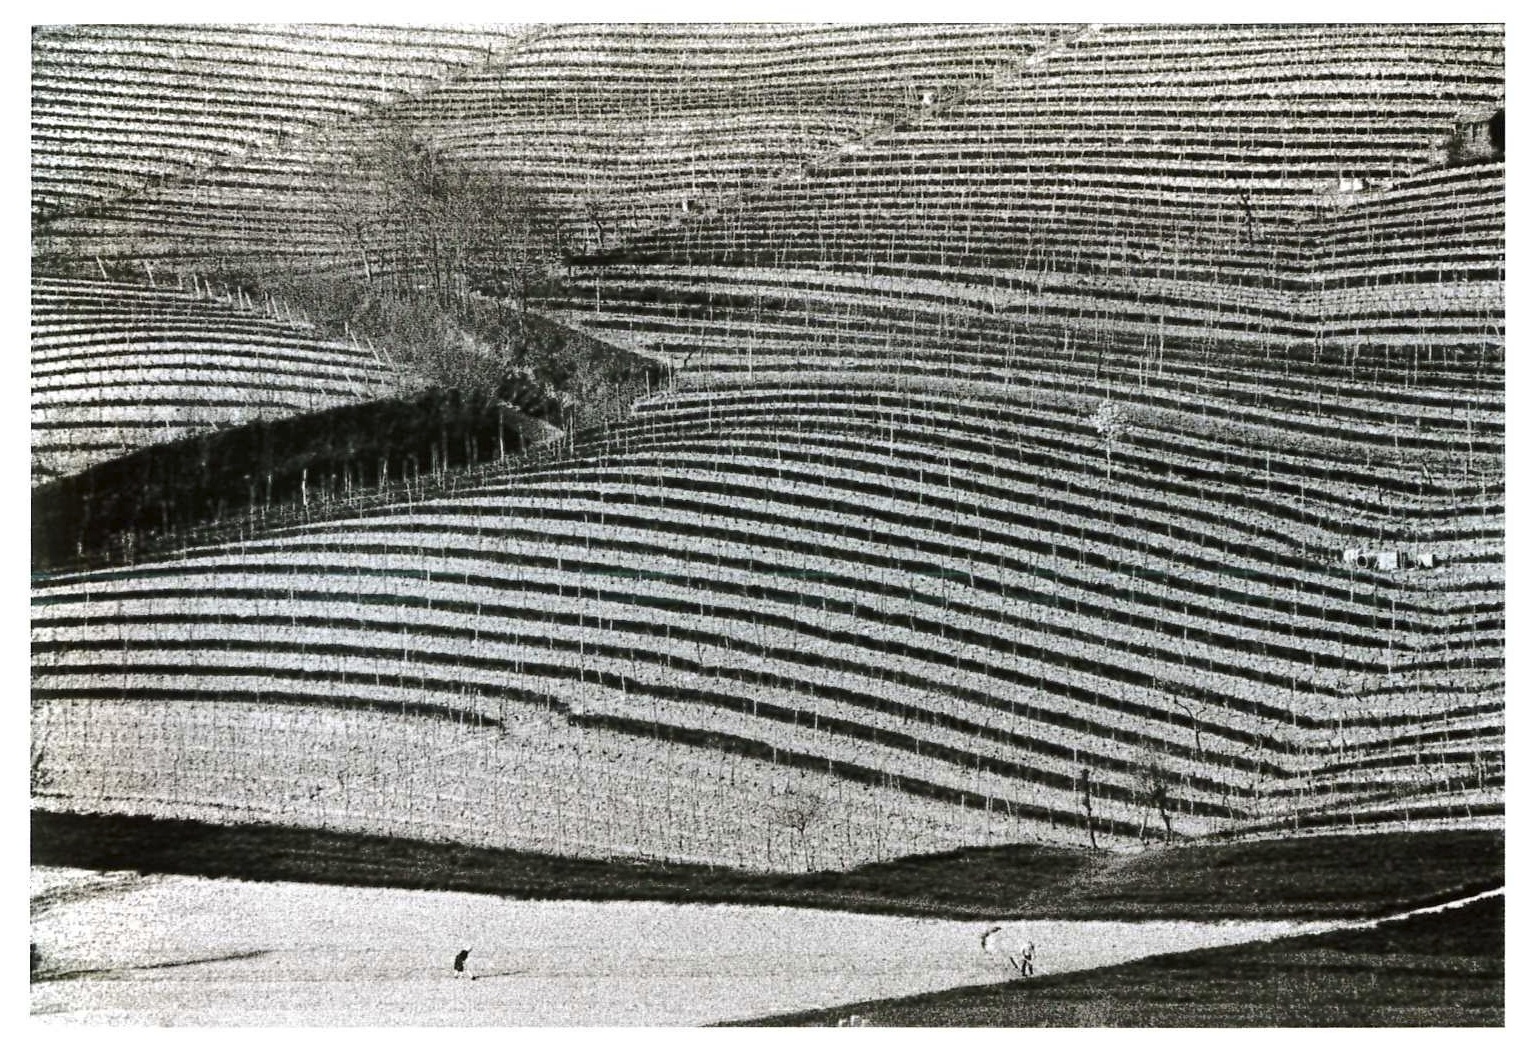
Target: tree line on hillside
[(430, 257), (172, 487), (448, 255), (445, 255), (418, 219)]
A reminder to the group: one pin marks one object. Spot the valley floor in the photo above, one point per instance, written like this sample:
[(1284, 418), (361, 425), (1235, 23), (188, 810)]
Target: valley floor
[(143, 920), (1441, 969), (122, 948)]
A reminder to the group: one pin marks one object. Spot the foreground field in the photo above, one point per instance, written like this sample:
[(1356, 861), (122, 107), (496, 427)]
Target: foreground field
[(1441, 969), (1346, 876), (123, 948)]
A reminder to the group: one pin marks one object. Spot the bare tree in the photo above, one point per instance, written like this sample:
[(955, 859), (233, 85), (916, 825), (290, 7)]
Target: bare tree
[(596, 210), (1111, 422), (799, 812), (349, 183), (41, 775), (1087, 789), (1152, 787), (418, 220)]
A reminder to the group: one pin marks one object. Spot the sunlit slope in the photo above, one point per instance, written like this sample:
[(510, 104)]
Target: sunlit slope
[(116, 109), (1150, 198), (613, 128), (956, 622), (1235, 246), (1107, 451)]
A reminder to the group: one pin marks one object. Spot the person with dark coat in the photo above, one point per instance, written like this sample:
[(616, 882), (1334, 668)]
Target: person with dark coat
[(459, 963)]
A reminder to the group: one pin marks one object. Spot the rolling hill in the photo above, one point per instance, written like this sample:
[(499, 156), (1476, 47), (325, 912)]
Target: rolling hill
[(1073, 435)]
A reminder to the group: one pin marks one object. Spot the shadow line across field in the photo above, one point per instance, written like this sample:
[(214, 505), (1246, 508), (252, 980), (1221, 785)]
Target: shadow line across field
[(1328, 877), (1446, 968)]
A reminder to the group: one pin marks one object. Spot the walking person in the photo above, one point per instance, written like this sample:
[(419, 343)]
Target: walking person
[(1027, 960), (459, 963)]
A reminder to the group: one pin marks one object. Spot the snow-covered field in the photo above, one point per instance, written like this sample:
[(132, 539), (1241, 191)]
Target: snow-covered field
[(160, 950)]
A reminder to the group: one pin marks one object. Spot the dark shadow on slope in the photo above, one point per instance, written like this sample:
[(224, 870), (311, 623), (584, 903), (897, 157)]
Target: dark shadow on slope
[(1326, 877)]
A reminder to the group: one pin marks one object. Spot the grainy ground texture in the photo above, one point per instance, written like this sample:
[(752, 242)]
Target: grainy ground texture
[(1442, 969), (121, 948), (287, 933)]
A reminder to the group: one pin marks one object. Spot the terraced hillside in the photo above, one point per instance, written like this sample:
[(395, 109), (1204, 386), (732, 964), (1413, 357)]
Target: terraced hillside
[(1106, 452), (709, 110), (116, 109), (117, 366)]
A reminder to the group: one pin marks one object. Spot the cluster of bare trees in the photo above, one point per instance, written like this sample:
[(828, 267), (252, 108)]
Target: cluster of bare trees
[(420, 223), (438, 258)]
